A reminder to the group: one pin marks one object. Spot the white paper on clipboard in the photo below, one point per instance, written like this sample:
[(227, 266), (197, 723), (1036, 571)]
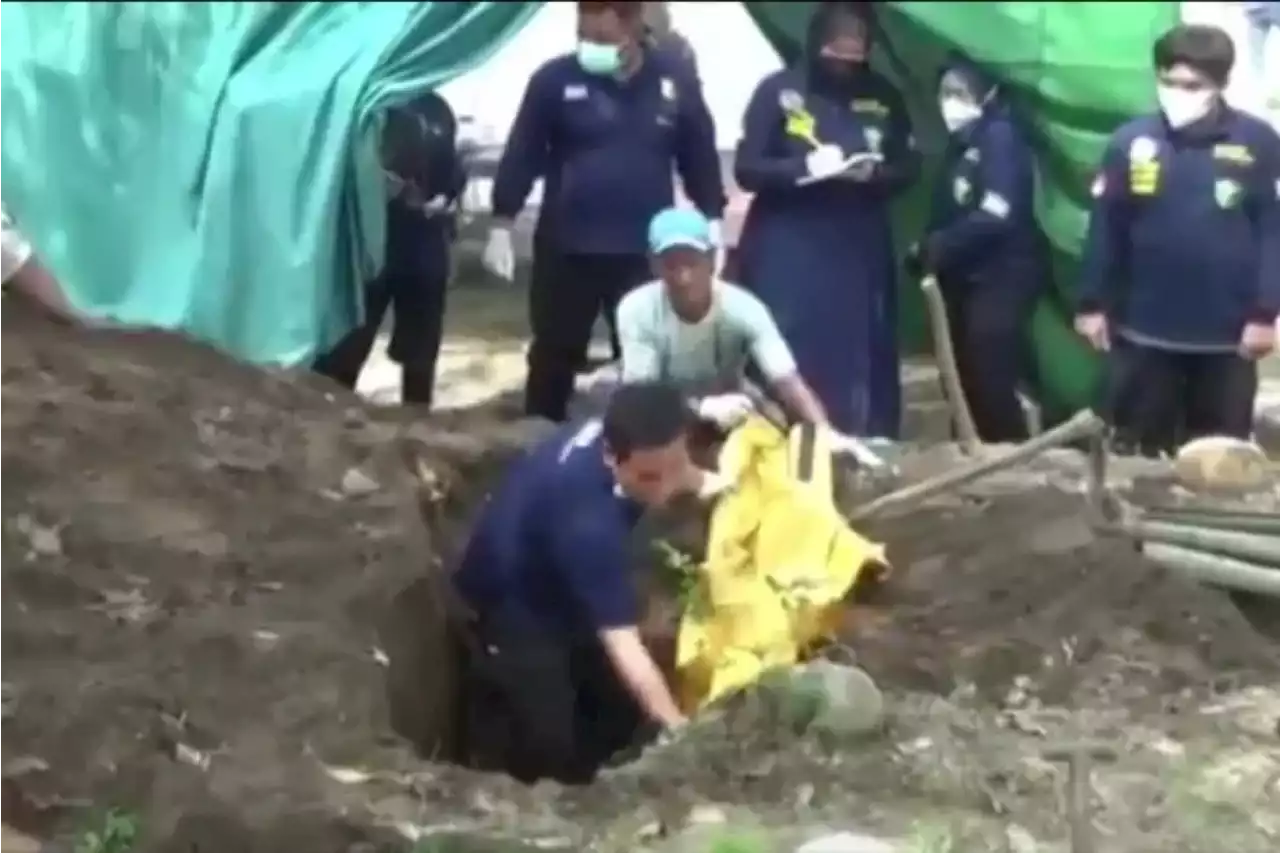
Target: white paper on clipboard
[(852, 160)]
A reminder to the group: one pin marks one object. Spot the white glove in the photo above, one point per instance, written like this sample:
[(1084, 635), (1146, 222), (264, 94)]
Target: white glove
[(436, 205), (499, 257), (848, 445), (725, 410), (713, 483), (717, 240), (825, 161)]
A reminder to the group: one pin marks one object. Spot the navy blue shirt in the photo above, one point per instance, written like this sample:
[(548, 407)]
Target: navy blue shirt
[(422, 148), (1184, 238), (606, 149), (552, 545), (983, 224)]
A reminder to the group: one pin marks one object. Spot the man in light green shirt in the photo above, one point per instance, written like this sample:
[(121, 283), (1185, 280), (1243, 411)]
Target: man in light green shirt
[(701, 333)]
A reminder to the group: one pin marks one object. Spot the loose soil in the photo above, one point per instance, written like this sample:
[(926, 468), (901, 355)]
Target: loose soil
[(205, 575)]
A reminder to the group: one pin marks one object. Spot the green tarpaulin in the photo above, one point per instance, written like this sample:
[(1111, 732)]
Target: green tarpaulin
[(207, 166)]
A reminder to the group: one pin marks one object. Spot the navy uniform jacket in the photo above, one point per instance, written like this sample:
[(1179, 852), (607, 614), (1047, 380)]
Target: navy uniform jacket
[(821, 256), (551, 547), (605, 149), (982, 228), (421, 146), (1184, 238)]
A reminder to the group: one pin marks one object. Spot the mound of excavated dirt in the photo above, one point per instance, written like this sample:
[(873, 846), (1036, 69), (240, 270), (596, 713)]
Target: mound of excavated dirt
[(1016, 587), (198, 557), (206, 568)]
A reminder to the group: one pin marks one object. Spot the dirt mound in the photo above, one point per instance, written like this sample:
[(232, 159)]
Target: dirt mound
[(197, 558), (207, 566), (1017, 588)]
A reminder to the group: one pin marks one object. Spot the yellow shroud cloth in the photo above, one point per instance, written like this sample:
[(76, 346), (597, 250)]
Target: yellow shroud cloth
[(780, 561)]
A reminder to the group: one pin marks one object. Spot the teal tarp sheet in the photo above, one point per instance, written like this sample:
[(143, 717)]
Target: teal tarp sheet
[(207, 166), (188, 165)]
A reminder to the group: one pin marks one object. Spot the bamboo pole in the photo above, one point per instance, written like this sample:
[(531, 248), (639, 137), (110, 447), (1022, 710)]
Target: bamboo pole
[(944, 354), (1085, 424)]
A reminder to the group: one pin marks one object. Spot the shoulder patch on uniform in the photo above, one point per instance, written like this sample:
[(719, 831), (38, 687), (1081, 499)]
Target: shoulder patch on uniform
[(875, 139), (1143, 150), (996, 205)]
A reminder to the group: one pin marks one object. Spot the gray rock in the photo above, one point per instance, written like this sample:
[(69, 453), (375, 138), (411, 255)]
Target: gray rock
[(828, 698), (357, 484)]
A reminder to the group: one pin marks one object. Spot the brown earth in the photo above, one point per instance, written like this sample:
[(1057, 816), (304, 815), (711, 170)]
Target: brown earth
[(202, 560)]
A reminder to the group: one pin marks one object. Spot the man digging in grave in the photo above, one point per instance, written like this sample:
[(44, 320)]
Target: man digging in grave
[(554, 677)]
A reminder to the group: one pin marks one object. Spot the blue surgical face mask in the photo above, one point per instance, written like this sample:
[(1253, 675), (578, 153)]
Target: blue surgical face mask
[(597, 58)]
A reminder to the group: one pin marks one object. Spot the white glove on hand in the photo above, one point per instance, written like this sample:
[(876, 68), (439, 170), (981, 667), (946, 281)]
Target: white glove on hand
[(713, 483), (499, 257), (847, 445), (725, 410), (717, 240), (825, 161), (436, 205)]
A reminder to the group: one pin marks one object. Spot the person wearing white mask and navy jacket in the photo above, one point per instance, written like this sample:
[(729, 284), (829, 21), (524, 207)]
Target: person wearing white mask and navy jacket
[(1180, 281), (983, 244), (605, 128)]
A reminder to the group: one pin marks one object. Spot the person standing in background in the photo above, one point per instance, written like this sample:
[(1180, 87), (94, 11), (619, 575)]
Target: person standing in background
[(983, 244), (826, 146), (1263, 17), (605, 127), (1180, 281), (425, 178)]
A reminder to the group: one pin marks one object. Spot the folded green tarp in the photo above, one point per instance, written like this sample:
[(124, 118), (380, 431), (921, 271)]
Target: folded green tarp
[(207, 166)]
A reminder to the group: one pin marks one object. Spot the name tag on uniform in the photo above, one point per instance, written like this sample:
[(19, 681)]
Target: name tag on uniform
[(575, 92), (1239, 154), (869, 106)]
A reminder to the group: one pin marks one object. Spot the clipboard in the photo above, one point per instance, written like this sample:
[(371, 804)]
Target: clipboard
[(853, 160)]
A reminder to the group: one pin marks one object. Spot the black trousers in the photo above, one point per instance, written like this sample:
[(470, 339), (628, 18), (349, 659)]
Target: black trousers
[(989, 331), (1158, 399), (539, 706), (418, 302), (567, 293)]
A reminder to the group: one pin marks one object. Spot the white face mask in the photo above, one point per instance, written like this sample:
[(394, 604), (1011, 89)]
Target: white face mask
[(1181, 107), (958, 114)]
